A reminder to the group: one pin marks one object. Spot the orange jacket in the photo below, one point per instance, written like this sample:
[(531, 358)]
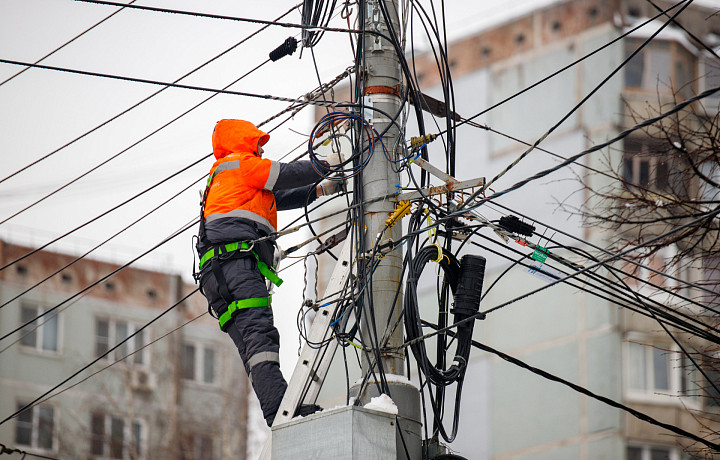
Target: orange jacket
[(241, 182)]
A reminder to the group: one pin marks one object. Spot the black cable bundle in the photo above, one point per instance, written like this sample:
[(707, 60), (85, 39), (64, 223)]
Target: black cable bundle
[(465, 281)]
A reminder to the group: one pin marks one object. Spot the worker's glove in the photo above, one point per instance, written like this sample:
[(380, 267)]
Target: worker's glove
[(335, 159), (331, 187)]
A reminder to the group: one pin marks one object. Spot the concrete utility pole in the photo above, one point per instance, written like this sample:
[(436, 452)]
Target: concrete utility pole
[(353, 432), (382, 75)]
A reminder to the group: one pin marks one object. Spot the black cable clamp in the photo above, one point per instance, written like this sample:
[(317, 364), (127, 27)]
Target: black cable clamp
[(287, 48)]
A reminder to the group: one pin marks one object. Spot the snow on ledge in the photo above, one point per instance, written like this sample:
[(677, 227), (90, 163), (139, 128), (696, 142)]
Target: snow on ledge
[(382, 403)]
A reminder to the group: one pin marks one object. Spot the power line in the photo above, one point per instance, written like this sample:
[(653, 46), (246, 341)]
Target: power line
[(141, 101), (614, 293), (172, 85), (635, 413), (624, 259), (563, 279), (7, 450), (230, 18)]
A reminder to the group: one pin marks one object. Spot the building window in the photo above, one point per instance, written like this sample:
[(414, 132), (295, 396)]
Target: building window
[(116, 437), (656, 452), (653, 165), (656, 372), (109, 332), (196, 447), (41, 334), (35, 427), (661, 66), (198, 363)]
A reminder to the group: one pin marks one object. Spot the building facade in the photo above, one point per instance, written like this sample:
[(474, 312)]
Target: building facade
[(176, 389)]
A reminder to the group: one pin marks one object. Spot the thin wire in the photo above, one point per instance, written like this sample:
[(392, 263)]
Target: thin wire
[(7, 450), (624, 259), (99, 165), (160, 83), (603, 399), (560, 280), (230, 18)]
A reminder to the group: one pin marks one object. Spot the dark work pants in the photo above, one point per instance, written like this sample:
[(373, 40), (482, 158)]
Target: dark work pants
[(252, 330)]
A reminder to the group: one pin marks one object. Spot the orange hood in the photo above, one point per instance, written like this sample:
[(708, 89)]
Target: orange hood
[(236, 136)]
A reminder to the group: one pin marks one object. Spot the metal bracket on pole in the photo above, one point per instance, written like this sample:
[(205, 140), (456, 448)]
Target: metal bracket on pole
[(313, 364), (451, 184)]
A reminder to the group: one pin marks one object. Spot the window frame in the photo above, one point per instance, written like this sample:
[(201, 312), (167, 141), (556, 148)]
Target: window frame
[(129, 347), (677, 54), (200, 350), (196, 445), (677, 375), (38, 328), (129, 425), (35, 429)]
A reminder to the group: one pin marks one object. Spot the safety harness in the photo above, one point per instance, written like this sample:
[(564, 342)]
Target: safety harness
[(225, 251)]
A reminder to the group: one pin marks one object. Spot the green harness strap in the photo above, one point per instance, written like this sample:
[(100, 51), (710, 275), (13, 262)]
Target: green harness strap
[(266, 271), (240, 304)]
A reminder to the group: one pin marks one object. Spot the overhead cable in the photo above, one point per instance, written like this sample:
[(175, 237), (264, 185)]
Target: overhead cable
[(635, 413), (107, 160), (143, 100), (230, 18), (168, 84)]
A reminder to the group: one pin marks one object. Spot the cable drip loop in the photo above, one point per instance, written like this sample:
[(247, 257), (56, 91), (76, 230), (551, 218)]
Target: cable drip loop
[(465, 281), (287, 48)]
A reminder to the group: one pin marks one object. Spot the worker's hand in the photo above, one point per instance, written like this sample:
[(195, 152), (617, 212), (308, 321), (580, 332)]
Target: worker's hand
[(335, 159), (330, 187)]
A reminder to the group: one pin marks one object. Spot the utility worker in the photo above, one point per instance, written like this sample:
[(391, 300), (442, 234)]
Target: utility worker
[(240, 203)]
